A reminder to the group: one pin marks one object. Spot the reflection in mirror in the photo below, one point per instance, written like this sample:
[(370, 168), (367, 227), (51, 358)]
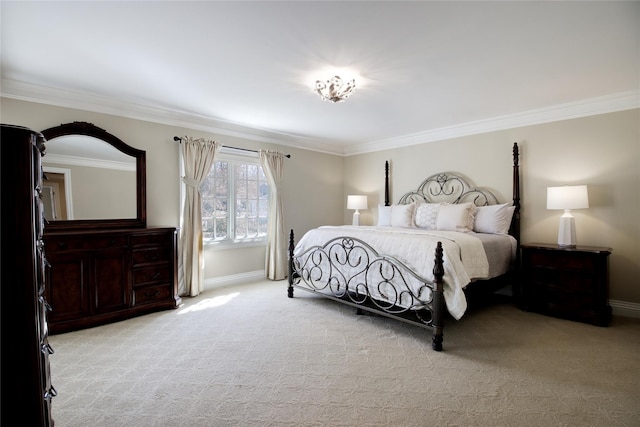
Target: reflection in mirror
[(87, 178), (56, 194)]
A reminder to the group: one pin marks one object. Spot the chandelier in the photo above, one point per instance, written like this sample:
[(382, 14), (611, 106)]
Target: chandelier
[(335, 90)]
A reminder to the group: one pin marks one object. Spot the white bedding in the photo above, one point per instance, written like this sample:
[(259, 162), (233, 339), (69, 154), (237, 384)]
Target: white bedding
[(464, 255)]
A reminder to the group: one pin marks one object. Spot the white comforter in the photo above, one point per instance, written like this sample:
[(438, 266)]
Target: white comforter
[(464, 255)]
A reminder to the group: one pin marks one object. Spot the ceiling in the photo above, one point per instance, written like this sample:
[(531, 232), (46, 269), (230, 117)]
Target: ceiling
[(428, 70)]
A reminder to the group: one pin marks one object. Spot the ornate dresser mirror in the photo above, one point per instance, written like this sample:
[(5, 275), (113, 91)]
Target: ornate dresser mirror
[(92, 180)]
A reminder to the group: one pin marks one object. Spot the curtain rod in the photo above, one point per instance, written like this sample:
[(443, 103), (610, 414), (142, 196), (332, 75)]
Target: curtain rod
[(178, 139)]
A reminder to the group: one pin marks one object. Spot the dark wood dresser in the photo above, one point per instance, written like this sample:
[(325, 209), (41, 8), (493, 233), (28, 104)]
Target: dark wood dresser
[(566, 282), (106, 275), (26, 380)]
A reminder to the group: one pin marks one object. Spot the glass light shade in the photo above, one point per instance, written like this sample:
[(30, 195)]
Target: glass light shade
[(335, 89)]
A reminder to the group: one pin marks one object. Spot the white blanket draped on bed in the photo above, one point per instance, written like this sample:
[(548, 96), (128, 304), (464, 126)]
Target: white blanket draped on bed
[(464, 255)]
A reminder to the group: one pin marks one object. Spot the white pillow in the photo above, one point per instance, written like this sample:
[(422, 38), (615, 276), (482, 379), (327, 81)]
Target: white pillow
[(427, 215), (456, 217), (492, 219), (402, 215), (384, 215)]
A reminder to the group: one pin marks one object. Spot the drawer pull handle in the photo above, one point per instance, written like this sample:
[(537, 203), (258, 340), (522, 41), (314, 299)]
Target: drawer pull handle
[(155, 276), (50, 394), (47, 306), (47, 349)]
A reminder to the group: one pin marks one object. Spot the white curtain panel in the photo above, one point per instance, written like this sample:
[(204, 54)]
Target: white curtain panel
[(276, 262), (198, 156)]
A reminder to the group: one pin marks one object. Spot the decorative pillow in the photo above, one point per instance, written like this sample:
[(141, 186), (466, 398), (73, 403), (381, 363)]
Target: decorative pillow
[(384, 215), (492, 219), (456, 217), (402, 215), (427, 215)]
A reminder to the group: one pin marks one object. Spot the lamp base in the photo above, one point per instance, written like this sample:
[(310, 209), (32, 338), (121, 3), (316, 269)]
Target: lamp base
[(356, 218), (567, 230)]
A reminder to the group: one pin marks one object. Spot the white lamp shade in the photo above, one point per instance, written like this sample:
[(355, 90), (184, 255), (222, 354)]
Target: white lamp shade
[(567, 197), (356, 202)]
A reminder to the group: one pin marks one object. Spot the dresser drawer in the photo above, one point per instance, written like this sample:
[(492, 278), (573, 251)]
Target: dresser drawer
[(164, 238), (152, 255), (155, 274), (54, 243), (150, 294)]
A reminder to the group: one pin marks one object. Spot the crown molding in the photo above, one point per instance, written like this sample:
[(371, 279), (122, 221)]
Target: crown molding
[(572, 110), (100, 104)]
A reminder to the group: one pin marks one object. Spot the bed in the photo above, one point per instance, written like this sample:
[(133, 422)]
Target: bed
[(427, 253)]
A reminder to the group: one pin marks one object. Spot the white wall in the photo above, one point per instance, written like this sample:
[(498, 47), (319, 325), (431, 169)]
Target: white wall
[(601, 151)]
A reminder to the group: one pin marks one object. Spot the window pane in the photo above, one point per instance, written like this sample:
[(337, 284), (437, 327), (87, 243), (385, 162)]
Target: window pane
[(264, 190), (221, 228), (241, 228), (263, 208), (252, 228), (221, 170), (241, 189), (241, 172), (252, 189), (222, 188), (241, 208), (252, 172), (221, 208)]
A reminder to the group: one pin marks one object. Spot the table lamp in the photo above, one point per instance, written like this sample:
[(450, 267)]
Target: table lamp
[(357, 203), (567, 197)]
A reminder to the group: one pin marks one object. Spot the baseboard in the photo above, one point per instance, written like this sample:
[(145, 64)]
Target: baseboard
[(233, 279), (625, 309)]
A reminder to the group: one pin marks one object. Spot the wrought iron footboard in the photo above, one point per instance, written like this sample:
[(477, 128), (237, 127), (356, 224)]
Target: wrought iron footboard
[(348, 270)]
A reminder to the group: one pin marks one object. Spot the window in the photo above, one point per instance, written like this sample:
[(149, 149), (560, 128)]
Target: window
[(235, 202)]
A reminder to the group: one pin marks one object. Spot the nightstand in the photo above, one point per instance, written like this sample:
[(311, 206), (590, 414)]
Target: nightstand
[(567, 282)]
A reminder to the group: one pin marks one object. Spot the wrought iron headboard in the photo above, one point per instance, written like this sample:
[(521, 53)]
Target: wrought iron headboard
[(451, 188)]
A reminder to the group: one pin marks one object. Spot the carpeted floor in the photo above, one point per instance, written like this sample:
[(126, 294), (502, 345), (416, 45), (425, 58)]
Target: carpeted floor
[(249, 356)]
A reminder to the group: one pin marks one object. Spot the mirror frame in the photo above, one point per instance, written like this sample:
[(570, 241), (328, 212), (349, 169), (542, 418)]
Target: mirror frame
[(89, 129)]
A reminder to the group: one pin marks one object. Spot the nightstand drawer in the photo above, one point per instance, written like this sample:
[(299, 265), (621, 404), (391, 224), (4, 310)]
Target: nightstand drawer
[(563, 280), (561, 261)]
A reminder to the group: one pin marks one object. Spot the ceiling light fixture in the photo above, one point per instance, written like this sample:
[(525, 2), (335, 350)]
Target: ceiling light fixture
[(335, 90)]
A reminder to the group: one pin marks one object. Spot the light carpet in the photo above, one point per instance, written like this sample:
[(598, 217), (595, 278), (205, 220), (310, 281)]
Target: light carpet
[(249, 356)]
